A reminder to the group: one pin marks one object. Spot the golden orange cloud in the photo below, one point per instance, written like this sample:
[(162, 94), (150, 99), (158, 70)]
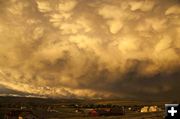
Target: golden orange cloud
[(79, 48)]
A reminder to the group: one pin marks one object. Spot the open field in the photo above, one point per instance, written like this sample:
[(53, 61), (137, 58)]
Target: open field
[(157, 115), (80, 109)]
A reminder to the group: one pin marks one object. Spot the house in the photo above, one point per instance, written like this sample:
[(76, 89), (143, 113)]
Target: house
[(150, 109), (103, 112), (145, 109), (93, 113), (117, 111), (107, 112), (20, 114)]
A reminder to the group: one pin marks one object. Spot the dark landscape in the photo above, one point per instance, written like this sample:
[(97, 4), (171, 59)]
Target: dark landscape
[(43, 108)]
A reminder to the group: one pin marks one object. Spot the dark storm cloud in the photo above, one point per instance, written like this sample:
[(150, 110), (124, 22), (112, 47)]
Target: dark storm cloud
[(89, 48)]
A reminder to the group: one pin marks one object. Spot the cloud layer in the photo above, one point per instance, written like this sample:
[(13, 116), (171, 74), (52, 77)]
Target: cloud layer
[(89, 48)]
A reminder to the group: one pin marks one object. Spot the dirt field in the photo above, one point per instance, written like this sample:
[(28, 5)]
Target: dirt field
[(157, 115)]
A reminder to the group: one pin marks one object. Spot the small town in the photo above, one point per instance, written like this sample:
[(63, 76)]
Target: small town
[(35, 108)]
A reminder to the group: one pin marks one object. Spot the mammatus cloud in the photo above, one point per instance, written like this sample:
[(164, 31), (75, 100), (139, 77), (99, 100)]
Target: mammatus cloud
[(84, 48)]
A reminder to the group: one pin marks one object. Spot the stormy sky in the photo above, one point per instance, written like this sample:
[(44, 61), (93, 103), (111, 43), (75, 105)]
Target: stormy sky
[(90, 48)]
